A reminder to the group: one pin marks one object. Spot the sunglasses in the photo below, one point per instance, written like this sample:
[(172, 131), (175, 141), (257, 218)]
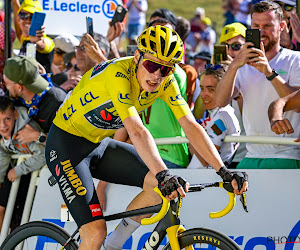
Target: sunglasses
[(285, 6), (81, 48), (214, 67), (152, 66), (235, 46), (70, 66), (25, 16)]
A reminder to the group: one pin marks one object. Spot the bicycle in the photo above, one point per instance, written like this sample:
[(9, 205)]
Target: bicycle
[(168, 224)]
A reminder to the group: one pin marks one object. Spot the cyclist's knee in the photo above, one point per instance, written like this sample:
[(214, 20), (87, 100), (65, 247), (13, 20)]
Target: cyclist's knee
[(150, 182), (93, 233)]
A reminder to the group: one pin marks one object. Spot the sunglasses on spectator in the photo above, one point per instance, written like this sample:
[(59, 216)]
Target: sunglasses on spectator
[(152, 66), (235, 46), (70, 66), (214, 67), (286, 7), (25, 16), (81, 48)]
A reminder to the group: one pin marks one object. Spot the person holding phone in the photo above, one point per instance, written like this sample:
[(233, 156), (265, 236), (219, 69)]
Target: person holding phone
[(136, 19), (44, 45), (263, 75)]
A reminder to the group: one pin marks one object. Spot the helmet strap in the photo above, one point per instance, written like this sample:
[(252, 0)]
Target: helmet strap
[(141, 56)]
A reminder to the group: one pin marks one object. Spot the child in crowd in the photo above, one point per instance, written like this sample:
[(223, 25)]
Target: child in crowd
[(13, 119), (218, 122)]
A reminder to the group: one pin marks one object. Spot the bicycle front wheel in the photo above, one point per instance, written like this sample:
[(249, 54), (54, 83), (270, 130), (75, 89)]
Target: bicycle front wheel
[(38, 235), (202, 238)]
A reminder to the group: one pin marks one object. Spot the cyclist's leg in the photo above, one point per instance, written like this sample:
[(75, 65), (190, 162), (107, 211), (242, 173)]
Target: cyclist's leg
[(68, 159)]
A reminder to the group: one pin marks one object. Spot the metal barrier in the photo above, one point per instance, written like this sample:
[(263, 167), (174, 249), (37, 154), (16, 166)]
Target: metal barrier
[(158, 141), (12, 199)]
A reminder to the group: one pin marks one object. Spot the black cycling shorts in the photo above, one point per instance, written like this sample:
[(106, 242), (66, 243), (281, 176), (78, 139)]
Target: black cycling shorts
[(74, 160)]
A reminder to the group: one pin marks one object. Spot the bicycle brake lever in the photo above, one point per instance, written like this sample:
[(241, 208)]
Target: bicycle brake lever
[(239, 179), (244, 202)]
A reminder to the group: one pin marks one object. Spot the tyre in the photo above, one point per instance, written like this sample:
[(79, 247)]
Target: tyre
[(38, 235), (202, 238)]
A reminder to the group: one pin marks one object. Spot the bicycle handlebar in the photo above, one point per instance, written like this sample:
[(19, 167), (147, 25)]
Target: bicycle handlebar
[(164, 209), (166, 204)]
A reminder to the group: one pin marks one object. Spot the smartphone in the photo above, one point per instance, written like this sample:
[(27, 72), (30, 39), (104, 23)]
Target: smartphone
[(220, 53), (119, 15), (130, 50), (37, 22), (253, 36), (31, 50), (89, 26)]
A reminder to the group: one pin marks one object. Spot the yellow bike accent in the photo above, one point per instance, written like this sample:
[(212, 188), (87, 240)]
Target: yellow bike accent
[(161, 213), (172, 235), (227, 209)]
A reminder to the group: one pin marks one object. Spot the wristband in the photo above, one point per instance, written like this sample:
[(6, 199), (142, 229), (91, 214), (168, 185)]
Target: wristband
[(271, 77), (225, 174)]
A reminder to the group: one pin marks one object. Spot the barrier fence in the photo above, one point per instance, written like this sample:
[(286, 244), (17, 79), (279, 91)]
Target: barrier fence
[(159, 141)]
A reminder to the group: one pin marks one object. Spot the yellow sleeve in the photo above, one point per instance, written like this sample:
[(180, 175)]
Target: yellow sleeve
[(172, 96), (119, 88), (49, 45)]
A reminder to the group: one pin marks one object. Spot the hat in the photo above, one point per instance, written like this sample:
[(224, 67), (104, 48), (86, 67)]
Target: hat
[(31, 6), (165, 13), (232, 30), (25, 71), (66, 42), (206, 21), (200, 11), (68, 56), (290, 2), (205, 55)]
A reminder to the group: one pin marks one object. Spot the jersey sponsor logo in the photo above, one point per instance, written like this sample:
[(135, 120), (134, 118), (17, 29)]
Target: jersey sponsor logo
[(124, 98), (73, 178), (96, 210), (218, 127), (119, 74), (104, 116), (87, 98), (147, 97), (168, 83), (57, 170), (70, 111), (204, 123), (98, 69), (53, 155), (177, 100)]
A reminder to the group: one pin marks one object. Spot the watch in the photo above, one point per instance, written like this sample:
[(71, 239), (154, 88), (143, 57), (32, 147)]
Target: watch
[(42, 138), (271, 77)]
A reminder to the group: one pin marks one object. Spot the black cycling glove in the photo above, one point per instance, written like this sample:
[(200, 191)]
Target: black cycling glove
[(228, 176), (168, 183)]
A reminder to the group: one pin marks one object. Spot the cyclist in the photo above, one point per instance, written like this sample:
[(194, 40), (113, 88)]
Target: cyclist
[(108, 97)]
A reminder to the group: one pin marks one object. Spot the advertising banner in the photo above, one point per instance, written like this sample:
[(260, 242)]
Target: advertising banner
[(272, 223), (70, 15)]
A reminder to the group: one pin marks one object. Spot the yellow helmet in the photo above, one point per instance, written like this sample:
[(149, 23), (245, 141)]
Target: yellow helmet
[(161, 42)]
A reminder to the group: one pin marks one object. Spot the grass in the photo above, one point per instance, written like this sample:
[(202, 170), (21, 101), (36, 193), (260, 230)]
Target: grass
[(186, 9)]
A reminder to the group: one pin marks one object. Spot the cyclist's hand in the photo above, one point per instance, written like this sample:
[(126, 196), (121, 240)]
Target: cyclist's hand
[(238, 180), (171, 185)]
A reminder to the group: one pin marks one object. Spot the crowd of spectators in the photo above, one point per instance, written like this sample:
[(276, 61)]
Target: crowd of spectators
[(253, 92)]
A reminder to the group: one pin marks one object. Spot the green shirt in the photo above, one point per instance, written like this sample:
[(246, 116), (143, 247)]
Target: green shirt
[(161, 122)]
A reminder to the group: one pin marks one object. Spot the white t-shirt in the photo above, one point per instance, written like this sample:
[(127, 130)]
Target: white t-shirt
[(258, 93), (135, 16), (219, 123)]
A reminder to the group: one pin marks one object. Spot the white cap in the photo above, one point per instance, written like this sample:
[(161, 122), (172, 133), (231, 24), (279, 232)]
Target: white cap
[(200, 11), (66, 42)]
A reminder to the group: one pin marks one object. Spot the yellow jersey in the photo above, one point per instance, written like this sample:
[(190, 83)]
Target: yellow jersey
[(109, 93)]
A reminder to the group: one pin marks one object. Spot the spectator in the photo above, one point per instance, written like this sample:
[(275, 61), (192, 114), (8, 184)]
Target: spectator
[(290, 36), (243, 13), (64, 43), (11, 121), (136, 19), (74, 75), (44, 44), (91, 51), (34, 91), (218, 122), (263, 75), (207, 37), (233, 35), (201, 59), (230, 7), (280, 125)]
